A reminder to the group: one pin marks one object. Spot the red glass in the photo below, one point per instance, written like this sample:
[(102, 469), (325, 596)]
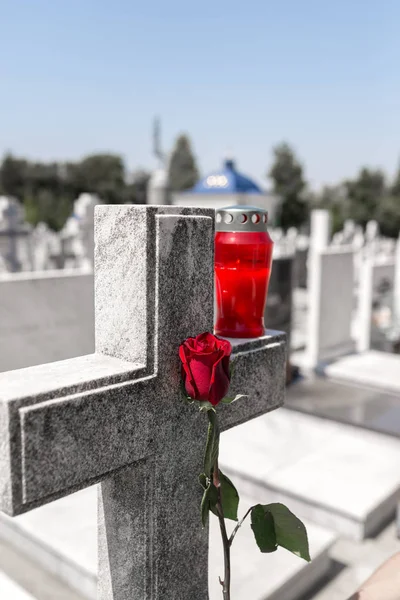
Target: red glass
[(242, 270)]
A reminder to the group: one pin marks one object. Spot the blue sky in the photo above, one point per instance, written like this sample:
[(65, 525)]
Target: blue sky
[(78, 76)]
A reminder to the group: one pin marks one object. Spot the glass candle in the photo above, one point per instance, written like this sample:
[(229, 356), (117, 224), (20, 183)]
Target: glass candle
[(243, 257)]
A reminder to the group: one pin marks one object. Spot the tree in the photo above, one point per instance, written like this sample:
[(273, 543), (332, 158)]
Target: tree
[(388, 216), (334, 199), (183, 172), (101, 174), (365, 194), (287, 176), (13, 176), (45, 207)]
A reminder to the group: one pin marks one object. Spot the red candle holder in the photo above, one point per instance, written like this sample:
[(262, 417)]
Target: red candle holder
[(243, 257)]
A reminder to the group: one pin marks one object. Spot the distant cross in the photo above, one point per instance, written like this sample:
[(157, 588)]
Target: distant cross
[(116, 416)]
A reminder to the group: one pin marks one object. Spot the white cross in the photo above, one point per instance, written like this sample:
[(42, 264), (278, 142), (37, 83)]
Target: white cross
[(116, 416)]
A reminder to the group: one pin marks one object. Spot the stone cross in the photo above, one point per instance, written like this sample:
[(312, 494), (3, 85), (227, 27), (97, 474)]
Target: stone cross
[(116, 416)]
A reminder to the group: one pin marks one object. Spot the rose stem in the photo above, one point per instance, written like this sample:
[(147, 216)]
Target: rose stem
[(226, 584), (234, 532)]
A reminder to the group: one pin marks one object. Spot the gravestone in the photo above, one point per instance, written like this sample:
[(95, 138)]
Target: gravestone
[(158, 191), (371, 238), (377, 309), (278, 310), (46, 247), (84, 213), (300, 271), (330, 307), (77, 235), (15, 246), (397, 280), (116, 416)]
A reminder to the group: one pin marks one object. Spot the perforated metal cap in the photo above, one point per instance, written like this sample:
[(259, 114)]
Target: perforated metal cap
[(241, 218)]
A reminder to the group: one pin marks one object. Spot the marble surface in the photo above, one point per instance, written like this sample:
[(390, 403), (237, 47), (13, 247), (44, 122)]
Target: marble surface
[(9, 590), (337, 475), (62, 537), (379, 370), (346, 403)]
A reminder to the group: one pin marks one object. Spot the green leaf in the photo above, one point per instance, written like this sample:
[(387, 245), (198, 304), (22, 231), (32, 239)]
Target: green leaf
[(208, 502), (228, 400), (262, 524), (212, 445), (203, 480), (290, 531), (275, 525), (229, 498)]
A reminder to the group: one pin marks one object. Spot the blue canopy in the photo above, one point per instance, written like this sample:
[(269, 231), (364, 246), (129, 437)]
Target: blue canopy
[(226, 181)]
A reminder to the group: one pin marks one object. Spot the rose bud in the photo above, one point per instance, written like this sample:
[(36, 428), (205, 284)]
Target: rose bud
[(205, 362)]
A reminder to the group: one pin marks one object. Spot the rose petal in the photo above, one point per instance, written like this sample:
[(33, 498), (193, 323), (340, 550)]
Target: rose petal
[(220, 386)]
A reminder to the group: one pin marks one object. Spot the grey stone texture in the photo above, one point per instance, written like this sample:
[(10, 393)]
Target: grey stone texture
[(117, 417)]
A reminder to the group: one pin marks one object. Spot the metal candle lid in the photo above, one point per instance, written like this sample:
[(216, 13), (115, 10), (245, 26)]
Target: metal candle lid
[(241, 218)]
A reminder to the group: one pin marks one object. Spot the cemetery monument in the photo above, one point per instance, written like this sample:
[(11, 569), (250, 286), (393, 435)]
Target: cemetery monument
[(116, 417)]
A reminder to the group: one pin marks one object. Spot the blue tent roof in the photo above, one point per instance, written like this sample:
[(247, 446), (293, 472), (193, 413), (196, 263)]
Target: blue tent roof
[(226, 181)]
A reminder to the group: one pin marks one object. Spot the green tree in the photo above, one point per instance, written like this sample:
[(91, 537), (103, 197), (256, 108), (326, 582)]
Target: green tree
[(13, 173), (101, 174), (45, 207), (287, 176), (388, 215), (333, 198), (364, 195), (183, 172)]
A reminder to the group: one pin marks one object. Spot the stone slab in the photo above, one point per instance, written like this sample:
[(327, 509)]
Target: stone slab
[(9, 590), (341, 477), (44, 317), (379, 370), (62, 538), (376, 410)]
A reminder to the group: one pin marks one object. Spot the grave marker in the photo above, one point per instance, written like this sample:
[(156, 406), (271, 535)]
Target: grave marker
[(116, 416)]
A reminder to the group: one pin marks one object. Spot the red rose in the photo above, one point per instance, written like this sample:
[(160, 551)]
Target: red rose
[(205, 372)]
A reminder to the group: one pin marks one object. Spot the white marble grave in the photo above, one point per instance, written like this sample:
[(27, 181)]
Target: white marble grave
[(45, 316), (374, 369), (330, 297), (62, 539), (9, 590), (376, 307), (15, 237), (341, 477)]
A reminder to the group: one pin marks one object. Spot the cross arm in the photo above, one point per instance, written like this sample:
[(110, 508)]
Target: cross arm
[(259, 372), (65, 425)]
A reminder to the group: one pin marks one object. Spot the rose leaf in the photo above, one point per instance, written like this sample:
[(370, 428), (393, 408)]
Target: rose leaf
[(228, 400), (229, 498)]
